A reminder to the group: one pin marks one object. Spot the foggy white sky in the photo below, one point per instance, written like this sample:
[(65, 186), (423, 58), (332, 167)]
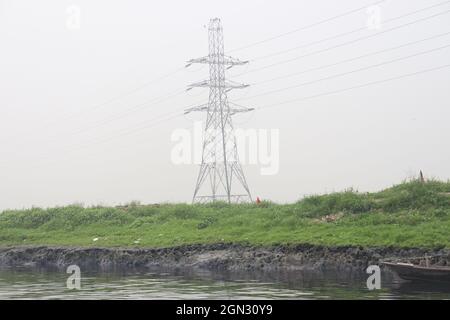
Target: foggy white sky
[(58, 146)]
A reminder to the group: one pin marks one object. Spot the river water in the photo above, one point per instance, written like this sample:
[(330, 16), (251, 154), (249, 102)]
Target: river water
[(163, 284)]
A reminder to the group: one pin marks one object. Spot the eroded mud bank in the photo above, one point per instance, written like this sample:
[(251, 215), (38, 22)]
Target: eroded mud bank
[(231, 257)]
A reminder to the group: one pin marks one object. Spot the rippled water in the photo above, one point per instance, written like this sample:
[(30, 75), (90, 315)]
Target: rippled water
[(51, 284)]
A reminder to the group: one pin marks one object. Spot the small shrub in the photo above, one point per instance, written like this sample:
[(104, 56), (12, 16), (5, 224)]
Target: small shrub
[(440, 213), (217, 205), (140, 222), (207, 222), (32, 218), (265, 204), (183, 212), (414, 195), (143, 211), (346, 202)]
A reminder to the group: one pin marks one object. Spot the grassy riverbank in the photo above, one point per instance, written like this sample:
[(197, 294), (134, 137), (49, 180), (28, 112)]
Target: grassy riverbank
[(412, 214)]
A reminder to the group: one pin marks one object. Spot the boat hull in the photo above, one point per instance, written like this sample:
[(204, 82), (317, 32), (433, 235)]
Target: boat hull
[(415, 272)]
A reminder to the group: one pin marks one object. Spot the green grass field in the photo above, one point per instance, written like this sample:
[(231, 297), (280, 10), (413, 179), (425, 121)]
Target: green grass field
[(411, 214)]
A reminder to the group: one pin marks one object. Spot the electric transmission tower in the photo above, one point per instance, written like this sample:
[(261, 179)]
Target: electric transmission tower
[(221, 177)]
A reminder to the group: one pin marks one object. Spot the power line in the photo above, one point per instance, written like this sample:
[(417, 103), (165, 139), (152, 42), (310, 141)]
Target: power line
[(308, 26), (158, 120), (132, 91), (121, 116), (287, 33), (352, 59), (297, 99), (132, 110), (355, 87), (100, 105), (348, 32), (145, 125), (128, 93), (170, 116), (343, 44), (140, 105), (347, 72), (341, 74)]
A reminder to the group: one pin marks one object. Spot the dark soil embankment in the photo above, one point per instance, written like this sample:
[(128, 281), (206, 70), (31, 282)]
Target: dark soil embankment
[(230, 257)]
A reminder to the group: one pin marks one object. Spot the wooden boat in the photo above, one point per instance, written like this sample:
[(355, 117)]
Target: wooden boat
[(409, 271)]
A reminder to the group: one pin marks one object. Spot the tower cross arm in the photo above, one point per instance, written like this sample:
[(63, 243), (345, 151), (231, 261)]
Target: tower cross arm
[(235, 108), (227, 84), (212, 59), (202, 107)]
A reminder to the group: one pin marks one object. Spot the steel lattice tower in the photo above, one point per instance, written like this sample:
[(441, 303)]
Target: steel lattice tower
[(221, 176)]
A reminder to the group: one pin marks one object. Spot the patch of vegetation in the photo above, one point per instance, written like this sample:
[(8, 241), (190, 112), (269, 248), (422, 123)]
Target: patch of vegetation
[(346, 202), (411, 214)]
